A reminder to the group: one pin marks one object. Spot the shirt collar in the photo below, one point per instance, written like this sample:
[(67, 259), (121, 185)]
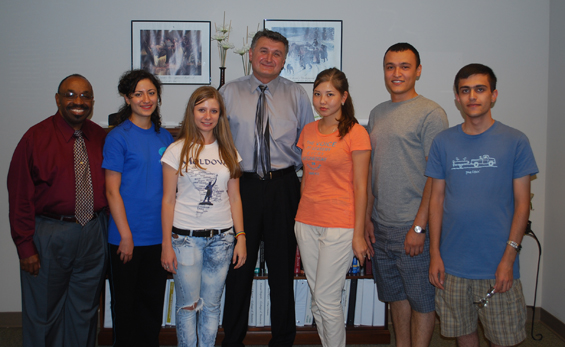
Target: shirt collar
[(255, 83), (67, 131)]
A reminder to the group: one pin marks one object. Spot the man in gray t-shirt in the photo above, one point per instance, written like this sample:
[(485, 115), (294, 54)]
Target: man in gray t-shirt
[(402, 130)]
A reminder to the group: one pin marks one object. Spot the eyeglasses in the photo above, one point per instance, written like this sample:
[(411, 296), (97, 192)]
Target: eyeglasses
[(73, 95), (484, 301)]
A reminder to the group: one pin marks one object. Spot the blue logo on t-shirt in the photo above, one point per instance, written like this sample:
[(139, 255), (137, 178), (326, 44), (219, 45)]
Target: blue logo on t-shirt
[(162, 150)]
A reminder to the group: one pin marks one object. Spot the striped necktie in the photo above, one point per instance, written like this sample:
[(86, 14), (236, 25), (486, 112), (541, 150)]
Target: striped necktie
[(262, 162)]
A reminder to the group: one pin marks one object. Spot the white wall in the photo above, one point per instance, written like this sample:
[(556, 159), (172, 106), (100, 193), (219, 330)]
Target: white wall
[(553, 274), (44, 41)]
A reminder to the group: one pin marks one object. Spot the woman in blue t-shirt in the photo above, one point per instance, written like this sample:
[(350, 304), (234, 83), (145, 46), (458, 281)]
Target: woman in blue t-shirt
[(134, 190)]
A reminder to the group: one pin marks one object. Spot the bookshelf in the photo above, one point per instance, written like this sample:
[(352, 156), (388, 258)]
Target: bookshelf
[(306, 335)]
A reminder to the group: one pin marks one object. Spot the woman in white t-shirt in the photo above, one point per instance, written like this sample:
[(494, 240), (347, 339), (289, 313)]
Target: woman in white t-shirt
[(201, 216)]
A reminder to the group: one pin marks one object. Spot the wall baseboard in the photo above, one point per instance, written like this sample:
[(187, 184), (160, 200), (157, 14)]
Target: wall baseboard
[(557, 326), (530, 312), (10, 319)]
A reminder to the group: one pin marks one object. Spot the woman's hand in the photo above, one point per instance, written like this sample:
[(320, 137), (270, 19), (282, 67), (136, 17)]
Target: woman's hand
[(360, 249), (169, 259), (239, 252), (125, 249)]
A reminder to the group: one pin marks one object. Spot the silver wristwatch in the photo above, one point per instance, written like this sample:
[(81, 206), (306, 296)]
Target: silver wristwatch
[(418, 230)]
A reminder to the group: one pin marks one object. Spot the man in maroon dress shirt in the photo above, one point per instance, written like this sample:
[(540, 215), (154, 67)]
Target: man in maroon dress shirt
[(62, 259)]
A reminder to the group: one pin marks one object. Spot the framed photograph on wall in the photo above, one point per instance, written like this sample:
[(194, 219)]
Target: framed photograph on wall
[(178, 52), (313, 46)]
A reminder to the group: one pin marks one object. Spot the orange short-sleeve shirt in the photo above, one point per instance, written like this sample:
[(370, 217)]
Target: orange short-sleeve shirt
[(328, 199)]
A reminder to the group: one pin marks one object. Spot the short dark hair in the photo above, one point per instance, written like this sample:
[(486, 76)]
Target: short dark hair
[(70, 76), (401, 47), (126, 87), (272, 35), (475, 69)]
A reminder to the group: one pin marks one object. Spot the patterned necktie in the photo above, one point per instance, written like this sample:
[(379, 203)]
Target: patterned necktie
[(262, 162), (84, 200)]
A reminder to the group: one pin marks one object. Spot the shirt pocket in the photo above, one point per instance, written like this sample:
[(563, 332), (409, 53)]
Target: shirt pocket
[(283, 131)]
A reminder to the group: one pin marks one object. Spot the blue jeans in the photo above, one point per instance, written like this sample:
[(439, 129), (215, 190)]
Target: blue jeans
[(203, 264)]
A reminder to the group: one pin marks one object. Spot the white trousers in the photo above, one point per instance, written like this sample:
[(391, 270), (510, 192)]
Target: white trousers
[(326, 255)]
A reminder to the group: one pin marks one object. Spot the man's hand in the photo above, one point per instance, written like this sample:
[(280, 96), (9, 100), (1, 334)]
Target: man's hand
[(504, 277), (437, 271), (414, 242), (31, 264), (504, 272)]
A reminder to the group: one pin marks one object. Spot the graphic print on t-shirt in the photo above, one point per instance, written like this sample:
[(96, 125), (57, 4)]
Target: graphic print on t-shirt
[(315, 154), (481, 162), (209, 187), (205, 183)]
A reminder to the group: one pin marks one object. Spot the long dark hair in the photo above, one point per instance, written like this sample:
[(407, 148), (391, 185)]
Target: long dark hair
[(194, 141), (339, 81), (126, 87)]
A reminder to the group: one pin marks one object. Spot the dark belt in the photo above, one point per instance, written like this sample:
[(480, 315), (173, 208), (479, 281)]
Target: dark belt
[(70, 219), (200, 233), (271, 175)]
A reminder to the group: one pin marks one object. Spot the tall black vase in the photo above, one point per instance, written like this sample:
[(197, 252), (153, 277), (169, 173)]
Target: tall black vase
[(222, 76)]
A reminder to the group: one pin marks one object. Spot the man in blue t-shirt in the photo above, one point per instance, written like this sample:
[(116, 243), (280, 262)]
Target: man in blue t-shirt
[(479, 208)]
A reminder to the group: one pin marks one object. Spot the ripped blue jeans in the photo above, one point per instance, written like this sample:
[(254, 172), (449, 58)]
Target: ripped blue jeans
[(203, 264)]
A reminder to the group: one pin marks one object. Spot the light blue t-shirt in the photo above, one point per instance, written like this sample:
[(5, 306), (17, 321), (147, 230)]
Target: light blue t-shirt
[(136, 154), (479, 197)]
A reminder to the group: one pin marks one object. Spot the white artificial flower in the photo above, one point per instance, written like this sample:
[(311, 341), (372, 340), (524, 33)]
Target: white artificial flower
[(226, 45), (224, 28), (242, 50), (219, 36)]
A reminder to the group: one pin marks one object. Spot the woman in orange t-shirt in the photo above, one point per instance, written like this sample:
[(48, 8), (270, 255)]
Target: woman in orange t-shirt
[(330, 220)]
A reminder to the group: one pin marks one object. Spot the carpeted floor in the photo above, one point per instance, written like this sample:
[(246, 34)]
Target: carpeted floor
[(12, 337)]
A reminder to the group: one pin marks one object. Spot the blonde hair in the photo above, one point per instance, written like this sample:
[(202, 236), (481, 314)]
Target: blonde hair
[(194, 141)]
